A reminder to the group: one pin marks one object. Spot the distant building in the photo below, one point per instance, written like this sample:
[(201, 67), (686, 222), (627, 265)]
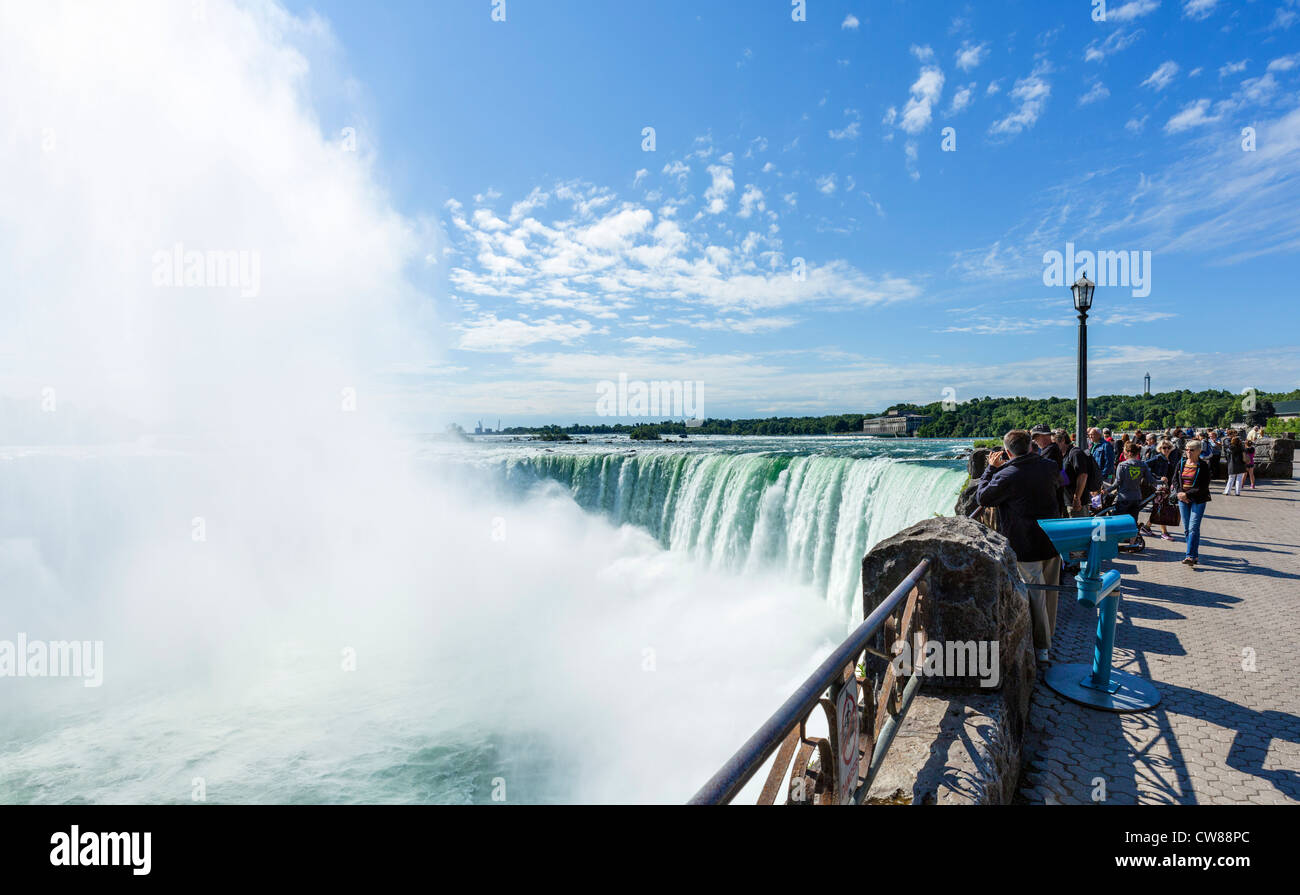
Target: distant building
[(894, 423), (1146, 385), (1287, 410)]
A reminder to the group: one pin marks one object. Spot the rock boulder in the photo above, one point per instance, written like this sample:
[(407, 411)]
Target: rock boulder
[(961, 730), (975, 593)]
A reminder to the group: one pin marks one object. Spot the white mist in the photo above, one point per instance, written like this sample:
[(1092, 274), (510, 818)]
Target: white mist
[(292, 606)]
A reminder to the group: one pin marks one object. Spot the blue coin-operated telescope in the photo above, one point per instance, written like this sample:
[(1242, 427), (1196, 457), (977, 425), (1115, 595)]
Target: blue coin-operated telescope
[(1092, 542)]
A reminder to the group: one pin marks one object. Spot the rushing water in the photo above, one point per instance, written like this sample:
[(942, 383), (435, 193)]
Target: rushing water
[(539, 623), (808, 508)]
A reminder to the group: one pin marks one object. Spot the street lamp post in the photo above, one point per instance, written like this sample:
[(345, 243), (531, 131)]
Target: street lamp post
[(1082, 302)]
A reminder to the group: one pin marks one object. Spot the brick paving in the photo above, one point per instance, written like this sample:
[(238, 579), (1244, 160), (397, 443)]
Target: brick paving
[(1221, 733)]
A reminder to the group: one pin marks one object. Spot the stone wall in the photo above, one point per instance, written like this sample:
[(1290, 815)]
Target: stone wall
[(1273, 458)]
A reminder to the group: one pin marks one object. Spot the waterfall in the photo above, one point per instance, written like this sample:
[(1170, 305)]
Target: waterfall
[(809, 517)]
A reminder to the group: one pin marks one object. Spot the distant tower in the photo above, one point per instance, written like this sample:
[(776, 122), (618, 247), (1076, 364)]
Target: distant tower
[(1146, 385)]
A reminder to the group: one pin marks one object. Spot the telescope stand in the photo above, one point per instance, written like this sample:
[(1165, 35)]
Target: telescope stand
[(1098, 685)]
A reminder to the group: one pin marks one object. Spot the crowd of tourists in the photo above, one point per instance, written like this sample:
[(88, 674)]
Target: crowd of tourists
[(1041, 473)]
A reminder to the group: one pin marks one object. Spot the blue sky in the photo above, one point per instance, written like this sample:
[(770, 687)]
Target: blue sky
[(562, 253)]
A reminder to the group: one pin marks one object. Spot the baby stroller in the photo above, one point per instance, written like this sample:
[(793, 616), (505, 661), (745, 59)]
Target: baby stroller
[(1105, 505)]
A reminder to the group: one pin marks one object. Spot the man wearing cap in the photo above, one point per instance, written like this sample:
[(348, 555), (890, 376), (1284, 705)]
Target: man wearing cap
[(1045, 445)]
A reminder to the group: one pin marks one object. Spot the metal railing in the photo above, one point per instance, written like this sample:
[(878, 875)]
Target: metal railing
[(855, 713)]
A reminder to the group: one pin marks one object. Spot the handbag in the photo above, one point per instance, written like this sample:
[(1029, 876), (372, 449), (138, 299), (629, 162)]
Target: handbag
[(1163, 512)]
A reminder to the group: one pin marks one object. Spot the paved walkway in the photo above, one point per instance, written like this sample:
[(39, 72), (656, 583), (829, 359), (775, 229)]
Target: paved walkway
[(1221, 733)]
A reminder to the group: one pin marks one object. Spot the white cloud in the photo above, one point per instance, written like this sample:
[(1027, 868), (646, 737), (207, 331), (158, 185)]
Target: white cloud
[(1284, 18), (1116, 42), (1232, 68), (1032, 93), (1006, 325), (925, 53), (1192, 115), (926, 91), (484, 219), (616, 231), (656, 342), (850, 130), (751, 201), (743, 325), (971, 55), (487, 333), (723, 186), (826, 184), (1134, 9), (601, 266), (1096, 93), (1285, 63), (678, 170), (1130, 317), (1199, 9), (961, 99), (850, 22), (526, 206), (1254, 91), (1162, 77)]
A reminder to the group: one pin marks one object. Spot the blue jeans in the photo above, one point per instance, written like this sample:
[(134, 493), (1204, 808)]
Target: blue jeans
[(1192, 513)]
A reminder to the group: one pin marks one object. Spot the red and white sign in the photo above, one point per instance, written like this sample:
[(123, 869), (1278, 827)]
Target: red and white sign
[(846, 740)]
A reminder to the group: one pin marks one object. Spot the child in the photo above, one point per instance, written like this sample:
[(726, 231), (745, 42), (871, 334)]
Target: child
[(1130, 475)]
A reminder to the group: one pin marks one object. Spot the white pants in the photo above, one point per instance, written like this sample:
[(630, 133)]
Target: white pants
[(1234, 482)]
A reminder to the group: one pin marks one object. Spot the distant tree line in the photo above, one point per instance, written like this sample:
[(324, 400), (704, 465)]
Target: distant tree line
[(1183, 409), (977, 417), (839, 424)]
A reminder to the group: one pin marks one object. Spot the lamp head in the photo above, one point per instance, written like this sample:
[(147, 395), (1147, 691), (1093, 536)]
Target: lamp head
[(1083, 290)]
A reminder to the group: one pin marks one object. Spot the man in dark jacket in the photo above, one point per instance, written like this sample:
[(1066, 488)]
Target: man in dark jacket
[(1022, 485)]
